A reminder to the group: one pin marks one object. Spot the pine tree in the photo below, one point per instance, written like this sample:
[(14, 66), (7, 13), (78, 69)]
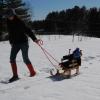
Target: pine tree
[(19, 8), (1, 8)]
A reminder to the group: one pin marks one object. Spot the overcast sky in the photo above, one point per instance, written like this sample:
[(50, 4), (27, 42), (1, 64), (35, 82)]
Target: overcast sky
[(40, 8)]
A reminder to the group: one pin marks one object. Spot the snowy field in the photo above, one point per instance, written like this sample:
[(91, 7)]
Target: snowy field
[(85, 86)]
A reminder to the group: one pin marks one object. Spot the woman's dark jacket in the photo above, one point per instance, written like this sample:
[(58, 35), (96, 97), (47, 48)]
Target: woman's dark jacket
[(18, 31)]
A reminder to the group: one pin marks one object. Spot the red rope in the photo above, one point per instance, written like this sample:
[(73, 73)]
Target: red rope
[(46, 54)]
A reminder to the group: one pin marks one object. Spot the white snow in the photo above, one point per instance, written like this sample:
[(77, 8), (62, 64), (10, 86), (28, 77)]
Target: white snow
[(85, 86)]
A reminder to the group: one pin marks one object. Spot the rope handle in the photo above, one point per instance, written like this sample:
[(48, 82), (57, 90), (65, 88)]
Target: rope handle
[(47, 54), (39, 42)]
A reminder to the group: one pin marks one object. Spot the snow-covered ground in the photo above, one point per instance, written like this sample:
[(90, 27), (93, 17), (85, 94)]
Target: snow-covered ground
[(85, 86)]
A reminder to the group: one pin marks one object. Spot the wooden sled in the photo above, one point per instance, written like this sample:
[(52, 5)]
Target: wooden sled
[(67, 71)]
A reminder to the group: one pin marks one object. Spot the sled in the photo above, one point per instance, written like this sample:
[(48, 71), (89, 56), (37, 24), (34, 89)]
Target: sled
[(66, 71)]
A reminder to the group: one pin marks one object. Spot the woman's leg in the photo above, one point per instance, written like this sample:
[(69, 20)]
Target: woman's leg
[(14, 50), (24, 49)]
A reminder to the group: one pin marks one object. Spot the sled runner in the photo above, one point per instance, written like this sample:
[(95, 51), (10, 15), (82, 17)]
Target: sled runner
[(66, 71)]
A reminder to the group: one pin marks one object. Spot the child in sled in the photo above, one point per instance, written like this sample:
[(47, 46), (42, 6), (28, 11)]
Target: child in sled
[(74, 58)]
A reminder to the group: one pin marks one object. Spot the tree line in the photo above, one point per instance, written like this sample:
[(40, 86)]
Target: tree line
[(78, 20)]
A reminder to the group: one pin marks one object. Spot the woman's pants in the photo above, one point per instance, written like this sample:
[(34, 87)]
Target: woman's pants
[(24, 49)]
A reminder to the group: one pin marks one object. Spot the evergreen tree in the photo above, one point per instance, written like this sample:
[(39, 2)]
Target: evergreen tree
[(94, 23), (1, 17), (19, 8)]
